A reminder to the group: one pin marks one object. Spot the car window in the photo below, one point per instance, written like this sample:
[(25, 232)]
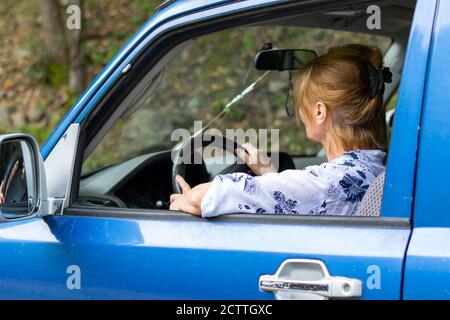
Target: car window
[(205, 76), (392, 104)]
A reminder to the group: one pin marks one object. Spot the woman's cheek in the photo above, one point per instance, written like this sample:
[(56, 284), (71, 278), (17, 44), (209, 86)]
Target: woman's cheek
[(310, 134)]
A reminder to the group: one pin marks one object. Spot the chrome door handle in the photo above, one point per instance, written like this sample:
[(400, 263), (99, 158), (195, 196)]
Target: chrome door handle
[(308, 279)]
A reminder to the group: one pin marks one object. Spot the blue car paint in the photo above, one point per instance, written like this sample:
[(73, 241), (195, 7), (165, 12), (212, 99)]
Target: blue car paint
[(427, 270), (428, 263), (170, 259), (399, 185), (194, 258)]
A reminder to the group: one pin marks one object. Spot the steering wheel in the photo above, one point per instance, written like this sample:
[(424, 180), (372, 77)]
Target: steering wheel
[(187, 149)]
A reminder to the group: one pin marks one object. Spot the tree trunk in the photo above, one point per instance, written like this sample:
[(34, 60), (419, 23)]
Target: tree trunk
[(77, 74), (53, 30)]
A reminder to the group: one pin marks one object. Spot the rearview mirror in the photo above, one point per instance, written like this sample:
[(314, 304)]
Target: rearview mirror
[(21, 185), (283, 59)]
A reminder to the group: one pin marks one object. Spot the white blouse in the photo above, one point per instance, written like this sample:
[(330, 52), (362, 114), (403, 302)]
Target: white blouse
[(332, 188)]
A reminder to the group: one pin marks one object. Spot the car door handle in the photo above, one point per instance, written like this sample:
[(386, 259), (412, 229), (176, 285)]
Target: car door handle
[(308, 279)]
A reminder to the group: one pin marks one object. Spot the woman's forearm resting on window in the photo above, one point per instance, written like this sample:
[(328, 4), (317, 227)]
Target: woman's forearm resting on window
[(191, 199)]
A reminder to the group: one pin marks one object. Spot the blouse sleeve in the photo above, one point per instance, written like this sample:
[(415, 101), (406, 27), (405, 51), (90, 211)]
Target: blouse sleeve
[(289, 192)]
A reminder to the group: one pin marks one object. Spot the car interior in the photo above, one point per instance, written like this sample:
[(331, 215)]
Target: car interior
[(145, 180)]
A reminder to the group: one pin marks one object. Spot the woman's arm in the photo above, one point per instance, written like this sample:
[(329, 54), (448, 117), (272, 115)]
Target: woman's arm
[(191, 199), (290, 192)]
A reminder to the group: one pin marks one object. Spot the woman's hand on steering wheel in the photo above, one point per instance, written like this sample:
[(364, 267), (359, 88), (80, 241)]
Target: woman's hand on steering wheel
[(257, 160)]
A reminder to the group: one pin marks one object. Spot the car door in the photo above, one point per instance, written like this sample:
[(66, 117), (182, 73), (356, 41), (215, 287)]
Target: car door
[(99, 252)]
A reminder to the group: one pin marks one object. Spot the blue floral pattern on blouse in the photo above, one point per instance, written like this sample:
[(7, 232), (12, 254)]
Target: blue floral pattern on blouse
[(353, 187), (336, 187), (321, 211), (284, 205), (250, 185)]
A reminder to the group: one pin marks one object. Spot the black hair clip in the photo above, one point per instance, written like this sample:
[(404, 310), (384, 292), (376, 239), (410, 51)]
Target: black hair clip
[(387, 75), (376, 77), (373, 77)]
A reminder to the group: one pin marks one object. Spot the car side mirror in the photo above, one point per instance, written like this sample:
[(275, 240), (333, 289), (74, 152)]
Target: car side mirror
[(22, 179)]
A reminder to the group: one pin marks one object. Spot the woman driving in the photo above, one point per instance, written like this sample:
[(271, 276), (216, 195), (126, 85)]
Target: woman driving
[(339, 98)]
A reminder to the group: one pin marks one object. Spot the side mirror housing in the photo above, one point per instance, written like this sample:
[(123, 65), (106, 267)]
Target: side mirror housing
[(23, 192)]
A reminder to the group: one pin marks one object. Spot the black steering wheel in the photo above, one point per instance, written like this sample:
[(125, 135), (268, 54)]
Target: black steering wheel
[(186, 150)]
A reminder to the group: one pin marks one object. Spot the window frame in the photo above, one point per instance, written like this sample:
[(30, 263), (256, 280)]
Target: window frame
[(147, 59)]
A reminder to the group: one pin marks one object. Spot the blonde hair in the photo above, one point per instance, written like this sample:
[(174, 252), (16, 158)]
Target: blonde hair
[(339, 80)]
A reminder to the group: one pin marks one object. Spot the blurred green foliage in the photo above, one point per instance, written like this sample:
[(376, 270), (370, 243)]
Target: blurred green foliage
[(197, 84), (34, 91)]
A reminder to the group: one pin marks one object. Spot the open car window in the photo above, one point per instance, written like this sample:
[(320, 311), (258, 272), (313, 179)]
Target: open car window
[(201, 80)]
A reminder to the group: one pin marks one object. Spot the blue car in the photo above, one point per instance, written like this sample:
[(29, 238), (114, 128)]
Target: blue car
[(86, 215)]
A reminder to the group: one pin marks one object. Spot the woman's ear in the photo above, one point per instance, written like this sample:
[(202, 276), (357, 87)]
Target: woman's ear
[(320, 113)]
